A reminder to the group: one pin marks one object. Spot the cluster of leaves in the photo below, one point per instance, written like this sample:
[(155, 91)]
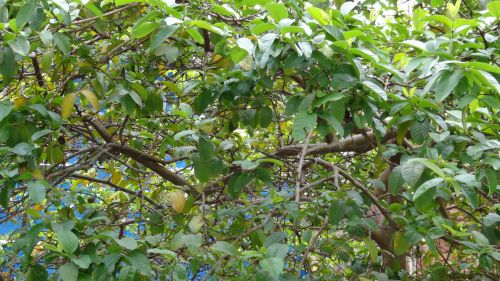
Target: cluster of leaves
[(249, 139)]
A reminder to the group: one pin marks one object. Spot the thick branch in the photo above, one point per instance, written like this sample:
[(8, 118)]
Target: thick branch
[(147, 160), (358, 143)]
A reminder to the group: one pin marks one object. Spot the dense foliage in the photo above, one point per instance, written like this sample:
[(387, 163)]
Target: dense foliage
[(249, 140)]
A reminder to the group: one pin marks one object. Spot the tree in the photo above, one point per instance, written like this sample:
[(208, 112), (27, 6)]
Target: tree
[(249, 139)]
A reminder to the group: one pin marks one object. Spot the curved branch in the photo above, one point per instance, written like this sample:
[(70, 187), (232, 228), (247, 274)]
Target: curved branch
[(115, 186), (145, 159), (361, 187)]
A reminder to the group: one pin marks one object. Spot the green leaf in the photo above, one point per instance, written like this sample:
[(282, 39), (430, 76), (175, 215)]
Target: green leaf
[(46, 37), (128, 243), (278, 250), (402, 131), (20, 45), (196, 223), (318, 14), (140, 262), (38, 134), (162, 34), (277, 11), (436, 3), (376, 89), (480, 238), (347, 7), (416, 44), (305, 48), (201, 170), (395, 181), (5, 193), (265, 116), (453, 9), (426, 186), (36, 191), (62, 42), (143, 29), (205, 148), (483, 66), (447, 83), (206, 25), (169, 52), (67, 105), (494, 8), (196, 35), (273, 266), (38, 273), (68, 240), (491, 219), (442, 19), (22, 149), (400, 243), (488, 79), (420, 131), (364, 53), (8, 65), (225, 247), (135, 97), (431, 165), (336, 212), (25, 13), (411, 172), (164, 252), (344, 76), (237, 182), (125, 2), (292, 105), (372, 249), (491, 175), (82, 261), (262, 27), (5, 110), (303, 123), (68, 272)]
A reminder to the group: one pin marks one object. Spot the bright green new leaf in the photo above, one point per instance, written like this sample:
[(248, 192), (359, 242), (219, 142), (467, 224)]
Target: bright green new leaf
[(494, 8), (277, 11)]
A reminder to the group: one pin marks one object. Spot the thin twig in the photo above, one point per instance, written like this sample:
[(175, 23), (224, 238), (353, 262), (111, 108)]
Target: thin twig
[(301, 164)]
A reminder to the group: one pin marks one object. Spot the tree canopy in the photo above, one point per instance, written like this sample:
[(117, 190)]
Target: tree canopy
[(249, 140)]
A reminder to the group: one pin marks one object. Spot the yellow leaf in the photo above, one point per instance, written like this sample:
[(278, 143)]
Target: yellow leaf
[(67, 105), (116, 177), (217, 58), (91, 97), (177, 200), (20, 101), (37, 174)]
